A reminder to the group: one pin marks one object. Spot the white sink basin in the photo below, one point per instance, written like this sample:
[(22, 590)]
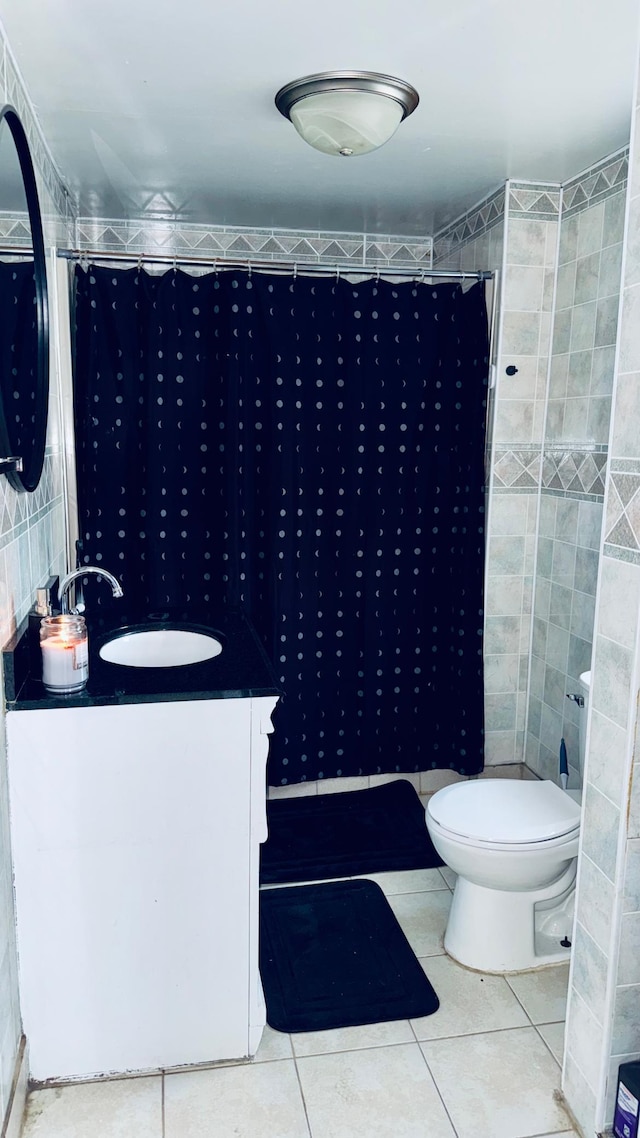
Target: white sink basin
[(160, 648)]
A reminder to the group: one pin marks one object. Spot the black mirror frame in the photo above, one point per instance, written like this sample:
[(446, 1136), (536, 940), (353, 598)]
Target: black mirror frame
[(25, 475)]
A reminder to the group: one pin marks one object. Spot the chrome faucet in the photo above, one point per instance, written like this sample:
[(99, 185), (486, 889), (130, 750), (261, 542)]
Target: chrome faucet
[(71, 577)]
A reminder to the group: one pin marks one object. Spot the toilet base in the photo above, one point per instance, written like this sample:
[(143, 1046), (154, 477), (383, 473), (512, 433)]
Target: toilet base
[(494, 930)]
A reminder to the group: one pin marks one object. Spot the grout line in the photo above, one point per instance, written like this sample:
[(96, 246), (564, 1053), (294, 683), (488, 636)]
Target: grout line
[(438, 1091), (512, 989), (347, 1048), (370, 1047), (547, 1045), (304, 1101), (162, 1106), (472, 1034)]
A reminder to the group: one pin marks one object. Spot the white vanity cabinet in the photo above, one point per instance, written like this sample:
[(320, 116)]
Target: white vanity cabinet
[(136, 831)]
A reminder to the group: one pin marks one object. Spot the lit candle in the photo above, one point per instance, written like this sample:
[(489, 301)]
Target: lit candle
[(65, 653)]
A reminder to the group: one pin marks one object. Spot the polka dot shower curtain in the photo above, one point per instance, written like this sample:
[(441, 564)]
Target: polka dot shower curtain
[(312, 450)]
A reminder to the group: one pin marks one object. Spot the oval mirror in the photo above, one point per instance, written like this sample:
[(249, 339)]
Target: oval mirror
[(24, 324)]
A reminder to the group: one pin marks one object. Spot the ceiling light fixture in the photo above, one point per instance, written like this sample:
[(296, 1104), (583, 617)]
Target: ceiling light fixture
[(347, 112)]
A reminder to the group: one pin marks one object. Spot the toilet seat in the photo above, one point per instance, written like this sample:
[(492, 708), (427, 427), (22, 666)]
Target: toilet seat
[(506, 814), (547, 844)]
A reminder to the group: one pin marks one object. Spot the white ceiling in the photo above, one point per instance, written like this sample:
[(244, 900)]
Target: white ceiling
[(166, 107)]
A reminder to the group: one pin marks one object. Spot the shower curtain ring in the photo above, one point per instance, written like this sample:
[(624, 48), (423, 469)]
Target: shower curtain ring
[(249, 268), (295, 270), (378, 275), (337, 272)]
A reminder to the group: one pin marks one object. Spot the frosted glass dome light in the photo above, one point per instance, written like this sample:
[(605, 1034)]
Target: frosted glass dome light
[(347, 112)]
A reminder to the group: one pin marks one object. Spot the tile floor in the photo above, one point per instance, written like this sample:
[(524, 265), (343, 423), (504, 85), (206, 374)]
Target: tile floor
[(486, 1065)]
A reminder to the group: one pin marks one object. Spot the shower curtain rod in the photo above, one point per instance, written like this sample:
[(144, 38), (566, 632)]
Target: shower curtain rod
[(219, 263)]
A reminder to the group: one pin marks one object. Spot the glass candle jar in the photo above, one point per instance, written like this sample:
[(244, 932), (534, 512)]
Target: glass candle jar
[(65, 653)]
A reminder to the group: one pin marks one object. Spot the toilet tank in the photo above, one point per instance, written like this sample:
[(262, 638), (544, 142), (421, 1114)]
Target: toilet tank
[(585, 687)]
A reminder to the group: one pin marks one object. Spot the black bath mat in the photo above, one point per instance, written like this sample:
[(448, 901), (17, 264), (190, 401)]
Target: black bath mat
[(334, 955), (342, 835)]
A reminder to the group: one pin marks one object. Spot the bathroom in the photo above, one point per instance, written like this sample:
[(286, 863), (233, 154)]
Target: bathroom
[(558, 597)]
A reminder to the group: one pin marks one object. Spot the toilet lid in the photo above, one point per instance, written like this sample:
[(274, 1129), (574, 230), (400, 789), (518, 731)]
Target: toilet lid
[(505, 810)]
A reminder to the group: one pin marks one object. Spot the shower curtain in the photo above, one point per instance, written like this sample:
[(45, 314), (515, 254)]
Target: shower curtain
[(313, 451)]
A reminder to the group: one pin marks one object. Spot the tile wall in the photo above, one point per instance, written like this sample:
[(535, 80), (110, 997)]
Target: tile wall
[(32, 545), (574, 458), (519, 237), (529, 272), (603, 1024)]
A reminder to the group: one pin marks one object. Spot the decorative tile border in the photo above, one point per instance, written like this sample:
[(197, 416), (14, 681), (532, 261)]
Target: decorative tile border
[(220, 242), (15, 230), (539, 201), (17, 511), (566, 473), (15, 94), (517, 468), (575, 471), (595, 184), (473, 224), (622, 524)]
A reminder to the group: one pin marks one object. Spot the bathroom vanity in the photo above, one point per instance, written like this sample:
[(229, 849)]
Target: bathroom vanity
[(137, 811)]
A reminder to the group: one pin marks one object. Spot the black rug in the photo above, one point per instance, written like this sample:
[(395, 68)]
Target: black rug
[(342, 835), (334, 955)]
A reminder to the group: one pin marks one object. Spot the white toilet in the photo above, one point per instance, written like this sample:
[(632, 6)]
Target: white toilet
[(514, 846)]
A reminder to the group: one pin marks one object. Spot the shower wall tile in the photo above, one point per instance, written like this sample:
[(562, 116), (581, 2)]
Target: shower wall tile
[(524, 338), (582, 1040), (589, 971), (612, 806), (579, 1095), (32, 546), (629, 959), (575, 451)]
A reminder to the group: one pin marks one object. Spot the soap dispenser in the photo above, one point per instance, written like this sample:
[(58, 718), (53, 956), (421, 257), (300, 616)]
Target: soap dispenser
[(43, 607)]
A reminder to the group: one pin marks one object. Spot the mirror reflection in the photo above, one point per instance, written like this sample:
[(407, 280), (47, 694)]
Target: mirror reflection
[(23, 323)]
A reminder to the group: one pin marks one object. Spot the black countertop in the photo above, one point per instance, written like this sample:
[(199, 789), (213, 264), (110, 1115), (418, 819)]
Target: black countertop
[(242, 669)]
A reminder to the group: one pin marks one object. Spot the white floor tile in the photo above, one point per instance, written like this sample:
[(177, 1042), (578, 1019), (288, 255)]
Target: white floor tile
[(383, 779), (449, 876), (292, 884), (256, 1100), (383, 1092), (500, 1084), (340, 785), (469, 1002), (273, 1045), (543, 994), (115, 1109), (298, 790), (352, 1038), (423, 919), (553, 1035), (408, 881)]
